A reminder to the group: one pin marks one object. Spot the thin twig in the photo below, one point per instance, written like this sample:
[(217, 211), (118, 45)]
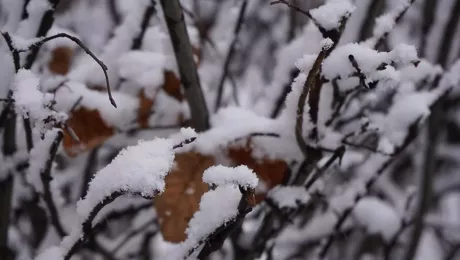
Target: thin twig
[(132, 233), (448, 35), (46, 22), (148, 13), (429, 10), (230, 53), (88, 51), (46, 178)]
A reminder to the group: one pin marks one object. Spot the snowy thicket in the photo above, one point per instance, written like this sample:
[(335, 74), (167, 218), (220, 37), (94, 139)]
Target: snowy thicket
[(281, 129)]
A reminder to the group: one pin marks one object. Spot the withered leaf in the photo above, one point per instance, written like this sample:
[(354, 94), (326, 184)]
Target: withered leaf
[(172, 85), (89, 128), (270, 172), (143, 113), (60, 60), (181, 198)]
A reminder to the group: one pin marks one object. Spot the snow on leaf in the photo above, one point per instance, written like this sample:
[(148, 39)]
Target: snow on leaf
[(270, 172)]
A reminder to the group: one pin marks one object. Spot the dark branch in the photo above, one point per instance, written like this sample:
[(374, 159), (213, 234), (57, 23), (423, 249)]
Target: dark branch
[(230, 53), (88, 51), (46, 178)]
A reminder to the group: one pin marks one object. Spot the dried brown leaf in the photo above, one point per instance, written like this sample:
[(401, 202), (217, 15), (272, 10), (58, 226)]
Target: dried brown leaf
[(60, 60), (172, 85), (143, 113), (270, 172), (181, 198), (89, 128)]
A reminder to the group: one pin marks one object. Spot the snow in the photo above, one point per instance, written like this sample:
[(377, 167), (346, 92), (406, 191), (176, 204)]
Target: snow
[(289, 196), (144, 68), (404, 54), (386, 22), (36, 9), (136, 169), (38, 157), (60, 42), (188, 132), (383, 24), (121, 117), (240, 175), (405, 111), (30, 101), (230, 124), (338, 64), (207, 219), (330, 15), (22, 44), (305, 63), (423, 70), (288, 117), (326, 43), (377, 216), (51, 253)]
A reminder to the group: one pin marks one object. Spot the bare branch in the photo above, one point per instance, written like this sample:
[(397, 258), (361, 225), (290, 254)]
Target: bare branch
[(88, 51), (230, 53)]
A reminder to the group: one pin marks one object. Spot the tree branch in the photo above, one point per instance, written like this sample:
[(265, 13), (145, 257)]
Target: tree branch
[(230, 53), (46, 178), (187, 67)]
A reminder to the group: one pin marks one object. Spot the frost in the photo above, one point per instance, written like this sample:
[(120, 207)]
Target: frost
[(220, 175)]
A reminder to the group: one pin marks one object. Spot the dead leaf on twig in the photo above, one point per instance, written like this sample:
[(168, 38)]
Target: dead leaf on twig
[(144, 111), (89, 128), (270, 172), (181, 198)]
